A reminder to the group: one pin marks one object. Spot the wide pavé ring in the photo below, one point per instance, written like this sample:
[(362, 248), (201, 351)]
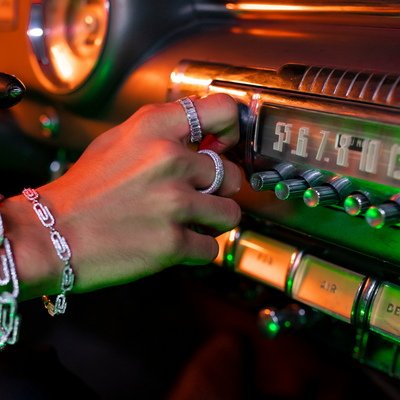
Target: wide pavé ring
[(193, 119), (219, 171)]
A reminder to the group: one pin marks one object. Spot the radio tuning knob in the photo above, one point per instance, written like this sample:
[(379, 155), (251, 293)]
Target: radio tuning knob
[(321, 196), (261, 181), (332, 192), (387, 213), (356, 203), (295, 188)]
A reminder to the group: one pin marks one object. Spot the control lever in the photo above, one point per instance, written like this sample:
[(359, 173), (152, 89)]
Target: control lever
[(11, 90), (273, 322)]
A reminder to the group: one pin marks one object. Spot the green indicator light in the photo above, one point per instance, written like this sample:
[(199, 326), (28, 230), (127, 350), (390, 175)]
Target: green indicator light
[(287, 324), (229, 257), (356, 349), (282, 191), (362, 312), (375, 218), (352, 206), (311, 198), (273, 327)]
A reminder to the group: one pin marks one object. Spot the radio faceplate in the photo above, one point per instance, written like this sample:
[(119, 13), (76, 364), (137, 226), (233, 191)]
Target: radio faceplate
[(357, 163)]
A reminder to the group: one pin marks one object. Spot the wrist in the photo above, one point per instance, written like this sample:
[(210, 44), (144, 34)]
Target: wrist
[(38, 267)]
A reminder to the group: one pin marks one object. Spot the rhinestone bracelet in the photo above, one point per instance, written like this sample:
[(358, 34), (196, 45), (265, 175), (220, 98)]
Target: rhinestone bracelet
[(9, 320), (62, 249)]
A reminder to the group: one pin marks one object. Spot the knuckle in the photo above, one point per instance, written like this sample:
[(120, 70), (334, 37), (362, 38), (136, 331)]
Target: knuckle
[(232, 213), (228, 104)]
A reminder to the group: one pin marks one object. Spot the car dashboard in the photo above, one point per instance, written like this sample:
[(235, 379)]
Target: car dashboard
[(318, 93)]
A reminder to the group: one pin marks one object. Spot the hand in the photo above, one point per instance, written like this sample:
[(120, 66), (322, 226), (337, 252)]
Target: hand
[(127, 206)]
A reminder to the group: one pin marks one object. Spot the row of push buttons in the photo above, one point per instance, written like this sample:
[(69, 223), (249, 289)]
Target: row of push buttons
[(315, 191), (342, 293)]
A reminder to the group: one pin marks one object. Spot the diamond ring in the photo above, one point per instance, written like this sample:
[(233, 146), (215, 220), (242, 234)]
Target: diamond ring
[(193, 119), (219, 171)]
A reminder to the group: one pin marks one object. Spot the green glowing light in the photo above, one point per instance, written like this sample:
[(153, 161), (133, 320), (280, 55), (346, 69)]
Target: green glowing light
[(374, 217), (273, 327), (287, 324), (229, 257), (351, 206), (356, 349)]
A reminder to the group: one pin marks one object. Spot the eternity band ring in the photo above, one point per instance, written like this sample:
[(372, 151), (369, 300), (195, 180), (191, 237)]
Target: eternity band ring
[(193, 119), (219, 171)]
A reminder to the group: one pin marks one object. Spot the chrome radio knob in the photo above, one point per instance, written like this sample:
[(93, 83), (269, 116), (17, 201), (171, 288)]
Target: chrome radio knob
[(330, 193), (387, 213), (266, 180), (356, 203), (295, 188), (321, 196)]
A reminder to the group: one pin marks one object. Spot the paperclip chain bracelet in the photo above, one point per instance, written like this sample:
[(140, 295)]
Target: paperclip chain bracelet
[(9, 320), (62, 249)]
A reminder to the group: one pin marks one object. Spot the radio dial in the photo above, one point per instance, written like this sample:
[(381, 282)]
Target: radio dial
[(295, 188), (387, 213), (356, 203), (321, 196), (267, 180), (332, 192)]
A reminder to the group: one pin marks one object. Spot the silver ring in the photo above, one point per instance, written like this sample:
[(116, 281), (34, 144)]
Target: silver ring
[(219, 171), (193, 119)]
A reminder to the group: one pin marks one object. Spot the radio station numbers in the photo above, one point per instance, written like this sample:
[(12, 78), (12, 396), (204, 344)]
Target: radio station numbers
[(283, 132), (370, 149), (393, 162)]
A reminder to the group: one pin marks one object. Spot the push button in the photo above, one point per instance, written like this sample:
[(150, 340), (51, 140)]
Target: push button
[(327, 287), (385, 311), (264, 258)]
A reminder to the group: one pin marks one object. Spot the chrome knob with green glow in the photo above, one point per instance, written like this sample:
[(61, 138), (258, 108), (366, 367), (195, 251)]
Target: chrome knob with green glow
[(356, 204), (331, 193), (267, 180), (295, 188), (321, 196), (386, 214)]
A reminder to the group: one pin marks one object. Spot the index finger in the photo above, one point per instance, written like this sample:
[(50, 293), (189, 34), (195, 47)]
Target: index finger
[(218, 115)]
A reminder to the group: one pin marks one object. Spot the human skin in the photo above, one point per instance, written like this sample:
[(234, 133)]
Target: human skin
[(129, 205)]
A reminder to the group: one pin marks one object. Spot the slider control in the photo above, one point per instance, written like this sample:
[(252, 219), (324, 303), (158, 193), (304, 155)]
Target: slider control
[(295, 188), (387, 213), (266, 180)]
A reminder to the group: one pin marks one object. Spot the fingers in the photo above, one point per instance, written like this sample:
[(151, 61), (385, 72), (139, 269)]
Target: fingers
[(204, 174), (199, 249), (217, 113), (218, 213)]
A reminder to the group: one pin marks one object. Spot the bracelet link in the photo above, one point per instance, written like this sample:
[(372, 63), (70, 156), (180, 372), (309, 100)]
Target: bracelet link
[(61, 304), (44, 215), (61, 245), (9, 320), (67, 279), (30, 194)]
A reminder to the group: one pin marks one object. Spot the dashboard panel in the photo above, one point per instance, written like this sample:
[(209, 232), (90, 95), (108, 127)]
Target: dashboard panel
[(318, 93)]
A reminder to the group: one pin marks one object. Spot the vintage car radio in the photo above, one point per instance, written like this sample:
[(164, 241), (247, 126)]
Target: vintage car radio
[(320, 147)]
